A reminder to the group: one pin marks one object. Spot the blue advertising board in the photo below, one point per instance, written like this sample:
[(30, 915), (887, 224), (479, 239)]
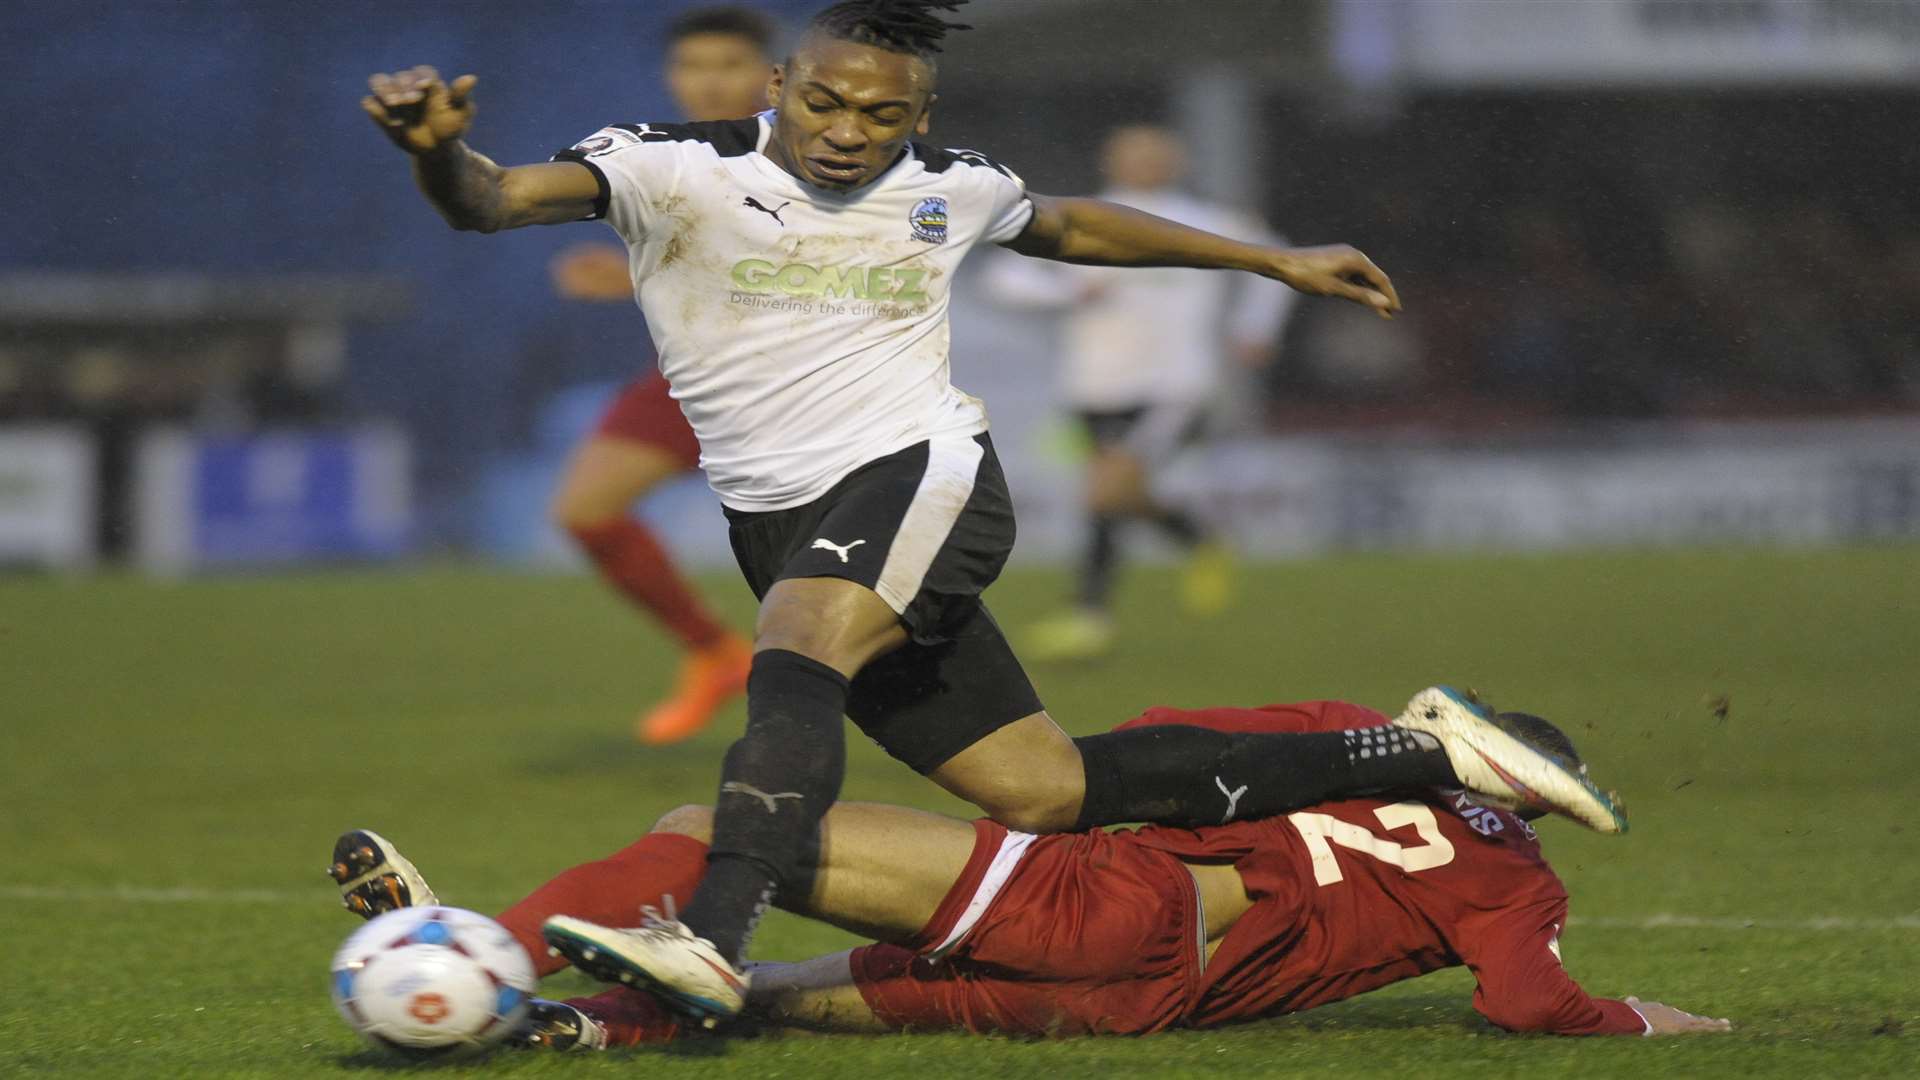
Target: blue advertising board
[(271, 499)]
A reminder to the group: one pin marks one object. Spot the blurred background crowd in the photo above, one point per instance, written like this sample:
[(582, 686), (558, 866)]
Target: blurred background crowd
[(1653, 210)]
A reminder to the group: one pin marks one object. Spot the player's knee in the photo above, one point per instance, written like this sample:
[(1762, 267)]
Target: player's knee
[(1116, 485), (836, 623), (690, 820), (575, 511), (1052, 809)]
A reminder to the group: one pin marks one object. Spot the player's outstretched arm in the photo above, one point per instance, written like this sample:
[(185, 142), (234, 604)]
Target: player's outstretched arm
[(1524, 987), (1096, 233), (429, 119)]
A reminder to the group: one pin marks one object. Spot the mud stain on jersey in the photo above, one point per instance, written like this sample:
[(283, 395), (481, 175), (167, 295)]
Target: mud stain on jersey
[(679, 218)]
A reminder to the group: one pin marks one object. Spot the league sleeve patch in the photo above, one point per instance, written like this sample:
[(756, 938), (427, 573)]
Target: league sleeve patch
[(929, 220), (606, 141)]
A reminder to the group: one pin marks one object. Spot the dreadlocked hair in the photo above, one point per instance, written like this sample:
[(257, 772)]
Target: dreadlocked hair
[(903, 26)]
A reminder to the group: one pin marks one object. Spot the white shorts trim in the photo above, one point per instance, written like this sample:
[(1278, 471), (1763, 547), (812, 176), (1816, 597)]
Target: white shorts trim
[(953, 462), (1199, 917), (1013, 848)]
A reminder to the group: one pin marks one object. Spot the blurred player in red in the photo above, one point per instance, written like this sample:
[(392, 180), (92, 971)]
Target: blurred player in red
[(1127, 932), (718, 63)]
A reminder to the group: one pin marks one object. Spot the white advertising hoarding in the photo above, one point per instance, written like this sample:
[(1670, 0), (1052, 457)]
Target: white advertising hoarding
[(47, 497), (1813, 482), (1647, 41)]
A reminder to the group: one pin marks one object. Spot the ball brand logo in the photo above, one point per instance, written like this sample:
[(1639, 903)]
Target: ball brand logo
[(929, 220), (901, 284), (428, 1008)]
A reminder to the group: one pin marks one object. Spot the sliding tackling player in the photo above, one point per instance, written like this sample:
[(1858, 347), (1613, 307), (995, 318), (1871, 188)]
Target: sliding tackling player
[(994, 931)]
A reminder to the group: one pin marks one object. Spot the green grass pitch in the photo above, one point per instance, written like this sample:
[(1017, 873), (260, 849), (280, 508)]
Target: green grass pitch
[(175, 760)]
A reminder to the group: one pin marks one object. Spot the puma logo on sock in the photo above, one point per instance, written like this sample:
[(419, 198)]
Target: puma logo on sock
[(735, 787), (1233, 797)]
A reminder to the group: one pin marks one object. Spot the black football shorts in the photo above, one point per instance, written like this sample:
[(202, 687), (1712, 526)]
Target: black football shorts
[(927, 528)]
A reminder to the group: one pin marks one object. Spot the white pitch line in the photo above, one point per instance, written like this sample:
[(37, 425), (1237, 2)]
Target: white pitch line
[(321, 897), (148, 894)]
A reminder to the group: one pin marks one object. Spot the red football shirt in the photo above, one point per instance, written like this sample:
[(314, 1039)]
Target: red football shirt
[(1353, 895)]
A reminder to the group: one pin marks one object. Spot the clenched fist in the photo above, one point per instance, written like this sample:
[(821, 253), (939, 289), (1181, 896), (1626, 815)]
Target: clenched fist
[(418, 112)]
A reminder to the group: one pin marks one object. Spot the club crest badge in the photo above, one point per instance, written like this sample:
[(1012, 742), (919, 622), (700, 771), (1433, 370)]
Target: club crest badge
[(929, 220)]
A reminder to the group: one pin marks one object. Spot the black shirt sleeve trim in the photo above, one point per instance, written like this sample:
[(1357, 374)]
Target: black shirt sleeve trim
[(605, 197), (938, 159)]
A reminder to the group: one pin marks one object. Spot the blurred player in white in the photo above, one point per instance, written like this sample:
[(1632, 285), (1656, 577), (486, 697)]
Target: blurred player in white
[(1144, 363), (718, 63)]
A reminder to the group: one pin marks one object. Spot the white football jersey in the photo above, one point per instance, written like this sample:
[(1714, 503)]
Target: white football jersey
[(804, 332)]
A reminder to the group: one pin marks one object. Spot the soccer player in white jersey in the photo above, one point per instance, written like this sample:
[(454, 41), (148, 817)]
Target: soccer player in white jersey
[(1144, 360), (794, 271)]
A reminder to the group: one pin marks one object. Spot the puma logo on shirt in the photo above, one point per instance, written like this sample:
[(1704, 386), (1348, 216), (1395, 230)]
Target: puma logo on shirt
[(773, 213)]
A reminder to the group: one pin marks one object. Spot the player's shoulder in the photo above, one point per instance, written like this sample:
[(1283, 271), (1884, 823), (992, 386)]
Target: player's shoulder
[(942, 160), (723, 138)]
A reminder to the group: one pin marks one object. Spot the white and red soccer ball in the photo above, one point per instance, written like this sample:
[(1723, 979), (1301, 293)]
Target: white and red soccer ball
[(428, 982)]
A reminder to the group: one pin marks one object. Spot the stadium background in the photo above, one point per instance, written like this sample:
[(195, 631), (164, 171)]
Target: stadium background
[(1662, 268)]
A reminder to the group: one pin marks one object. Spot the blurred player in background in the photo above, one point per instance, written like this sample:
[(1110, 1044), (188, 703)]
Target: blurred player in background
[(1145, 362), (718, 63), (1128, 932)]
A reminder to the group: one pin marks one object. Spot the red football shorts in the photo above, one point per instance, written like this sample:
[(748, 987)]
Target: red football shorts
[(645, 412), (1075, 934)]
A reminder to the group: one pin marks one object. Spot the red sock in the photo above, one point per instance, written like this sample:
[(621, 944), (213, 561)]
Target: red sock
[(611, 891), (631, 559)]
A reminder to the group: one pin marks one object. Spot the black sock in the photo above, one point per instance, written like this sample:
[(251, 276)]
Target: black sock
[(1193, 776), (1097, 564), (1096, 570), (776, 783)]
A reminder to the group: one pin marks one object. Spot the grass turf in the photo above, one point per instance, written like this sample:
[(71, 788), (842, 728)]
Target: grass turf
[(217, 735)]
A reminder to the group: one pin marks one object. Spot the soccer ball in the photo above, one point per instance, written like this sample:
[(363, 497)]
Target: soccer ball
[(430, 982)]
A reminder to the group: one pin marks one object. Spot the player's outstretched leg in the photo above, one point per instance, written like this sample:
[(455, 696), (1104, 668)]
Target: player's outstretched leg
[(1494, 763), (1190, 776), (373, 876)]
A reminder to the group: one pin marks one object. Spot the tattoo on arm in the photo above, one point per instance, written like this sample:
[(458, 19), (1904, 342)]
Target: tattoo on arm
[(464, 186)]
